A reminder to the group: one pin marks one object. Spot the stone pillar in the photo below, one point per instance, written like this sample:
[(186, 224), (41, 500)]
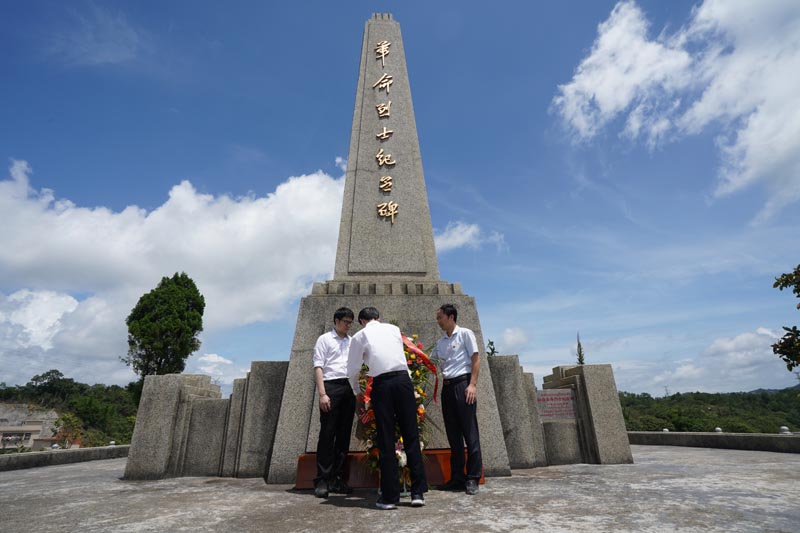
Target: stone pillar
[(514, 408), (233, 429), (539, 450), (262, 404), (371, 246), (162, 420), (562, 442), (206, 437)]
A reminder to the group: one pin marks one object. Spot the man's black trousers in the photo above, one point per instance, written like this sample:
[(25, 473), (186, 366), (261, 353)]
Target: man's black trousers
[(334, 430), (393, 403), (461, 425)]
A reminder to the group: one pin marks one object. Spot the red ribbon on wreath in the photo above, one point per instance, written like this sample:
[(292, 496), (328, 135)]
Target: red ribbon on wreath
[(369, 414), (425, 361)]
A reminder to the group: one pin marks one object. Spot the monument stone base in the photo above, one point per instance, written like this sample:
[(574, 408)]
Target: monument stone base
[(412, 307)]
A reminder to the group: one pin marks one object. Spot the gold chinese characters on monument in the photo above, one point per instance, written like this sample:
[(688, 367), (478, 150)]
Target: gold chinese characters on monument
[(384, 159), (385, 134), (381, 51), (384, 110), (384, 83), (388, 209)]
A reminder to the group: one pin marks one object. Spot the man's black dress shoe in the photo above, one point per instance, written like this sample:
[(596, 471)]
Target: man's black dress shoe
[(321, 490)]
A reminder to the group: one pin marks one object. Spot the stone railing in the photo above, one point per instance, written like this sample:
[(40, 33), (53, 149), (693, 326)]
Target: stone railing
[(763, 442), (18, 461)]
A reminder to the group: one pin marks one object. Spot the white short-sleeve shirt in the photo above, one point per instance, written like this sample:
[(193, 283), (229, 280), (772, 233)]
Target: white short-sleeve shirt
[(330, 354), (380, 347), (455, 352)]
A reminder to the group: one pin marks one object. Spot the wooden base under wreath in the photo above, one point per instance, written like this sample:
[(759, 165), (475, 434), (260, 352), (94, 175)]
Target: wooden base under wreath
[(358, 476)]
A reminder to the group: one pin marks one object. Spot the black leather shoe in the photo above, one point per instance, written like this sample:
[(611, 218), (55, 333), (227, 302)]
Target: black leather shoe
[(472, 487), (340, 487), (451, 485), (321, 490)]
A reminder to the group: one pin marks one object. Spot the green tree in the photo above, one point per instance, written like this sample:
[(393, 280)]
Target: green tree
[(491, 351), (580, 350), (163, 327), (68, 429), (788, 347), (46, 379)]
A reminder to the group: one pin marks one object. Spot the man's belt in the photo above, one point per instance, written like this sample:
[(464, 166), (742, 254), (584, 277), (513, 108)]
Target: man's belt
[(458, 379), (390, 374), (338, 381)]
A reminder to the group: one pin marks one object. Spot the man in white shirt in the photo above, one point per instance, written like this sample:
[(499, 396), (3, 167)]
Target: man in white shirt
[(458, 351), (380, 347), (337, 404)]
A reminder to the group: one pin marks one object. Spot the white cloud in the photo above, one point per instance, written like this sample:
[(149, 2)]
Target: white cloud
[(744, 349), (98, 37), (341, 163), (623, 67), (733, 65), (36, 316), (655, 362), (743, 362), (78, 271), (460, 234), (222, 370), (514, 339)]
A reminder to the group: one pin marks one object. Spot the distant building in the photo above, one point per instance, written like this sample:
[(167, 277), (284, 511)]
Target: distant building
[(23, 435), (22, 424)]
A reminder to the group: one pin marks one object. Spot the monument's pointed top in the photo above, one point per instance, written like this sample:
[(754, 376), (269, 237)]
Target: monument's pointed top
[(386, 227)]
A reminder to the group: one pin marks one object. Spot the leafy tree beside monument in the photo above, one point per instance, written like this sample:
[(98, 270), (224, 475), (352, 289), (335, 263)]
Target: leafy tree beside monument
[(788, 347), (68, 429), (163, 327)]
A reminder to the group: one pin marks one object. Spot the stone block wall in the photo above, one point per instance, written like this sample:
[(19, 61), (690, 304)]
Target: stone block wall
[(602, 437), (184, 428)]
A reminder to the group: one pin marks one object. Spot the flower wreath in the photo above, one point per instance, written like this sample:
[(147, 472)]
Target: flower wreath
[(420, 367)]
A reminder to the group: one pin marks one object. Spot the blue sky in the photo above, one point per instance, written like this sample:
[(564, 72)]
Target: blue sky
[(627, 170)]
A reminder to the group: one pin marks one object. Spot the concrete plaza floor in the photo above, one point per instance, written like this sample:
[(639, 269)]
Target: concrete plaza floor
[(667, 489)]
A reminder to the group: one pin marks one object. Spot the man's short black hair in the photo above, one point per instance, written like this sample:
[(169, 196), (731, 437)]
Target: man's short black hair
[(368, 313), (343, 312), (450, 310)]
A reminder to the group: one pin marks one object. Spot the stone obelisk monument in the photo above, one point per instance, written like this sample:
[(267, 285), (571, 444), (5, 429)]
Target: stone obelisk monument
[(385, 257)]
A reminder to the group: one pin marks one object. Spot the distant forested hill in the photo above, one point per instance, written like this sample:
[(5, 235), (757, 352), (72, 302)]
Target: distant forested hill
[(761, 411), (106, 412)]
